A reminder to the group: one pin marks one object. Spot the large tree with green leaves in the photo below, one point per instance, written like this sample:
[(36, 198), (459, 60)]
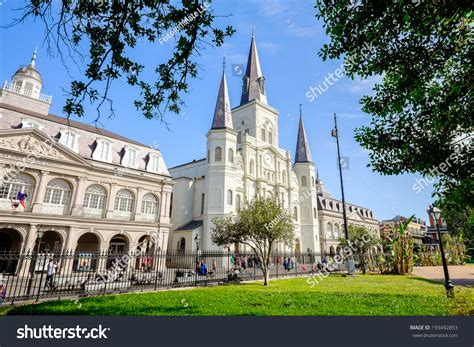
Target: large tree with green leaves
[(105, 33), (259, 225), (422, 110)]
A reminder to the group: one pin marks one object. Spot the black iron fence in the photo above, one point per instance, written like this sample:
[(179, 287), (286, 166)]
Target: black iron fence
[(37, 275)]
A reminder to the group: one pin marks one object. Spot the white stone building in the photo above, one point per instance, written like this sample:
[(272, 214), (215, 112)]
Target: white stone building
[(243, 160), (88, 189)]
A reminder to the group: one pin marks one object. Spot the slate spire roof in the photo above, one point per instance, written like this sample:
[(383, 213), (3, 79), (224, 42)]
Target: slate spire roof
[(303, 154), (253, 81), (222, 114)]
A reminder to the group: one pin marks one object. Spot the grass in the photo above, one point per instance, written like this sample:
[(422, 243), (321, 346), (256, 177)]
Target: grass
[(334, 295)]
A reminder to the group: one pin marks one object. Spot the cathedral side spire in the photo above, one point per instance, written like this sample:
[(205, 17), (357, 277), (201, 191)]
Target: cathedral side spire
[(222, 113), (33, 58), (253, 87), (303, 153)]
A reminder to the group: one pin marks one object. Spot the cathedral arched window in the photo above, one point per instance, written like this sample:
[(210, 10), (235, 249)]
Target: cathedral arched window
[(270, 137), (237, 201), (304, 183), (252, 167), (295, 213), (218, 154), (336, 231), (263, 134), (315, 213), (312, 181), (231, 155), (229, 197)]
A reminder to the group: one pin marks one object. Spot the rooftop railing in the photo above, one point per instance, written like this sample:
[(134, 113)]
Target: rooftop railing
[(27, 92)]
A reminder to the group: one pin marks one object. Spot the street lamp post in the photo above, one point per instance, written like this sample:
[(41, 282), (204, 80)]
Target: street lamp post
[(335, 133), (435, 213), (197, 239)]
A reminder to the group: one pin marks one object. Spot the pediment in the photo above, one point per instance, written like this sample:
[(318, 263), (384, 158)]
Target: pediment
[(34, 143), (356, 216)]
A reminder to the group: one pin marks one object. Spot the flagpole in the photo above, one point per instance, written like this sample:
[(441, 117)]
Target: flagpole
[(344, 214)]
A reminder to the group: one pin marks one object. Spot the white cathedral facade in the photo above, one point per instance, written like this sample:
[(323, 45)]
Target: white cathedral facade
[(243, 160)]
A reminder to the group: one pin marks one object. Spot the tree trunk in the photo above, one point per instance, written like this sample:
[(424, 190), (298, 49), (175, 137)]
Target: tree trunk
[(266, 272)]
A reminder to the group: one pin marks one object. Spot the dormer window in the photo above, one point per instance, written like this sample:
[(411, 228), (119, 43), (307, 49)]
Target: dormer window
[(245, 85), (154, 163), (69, 138), (30, 123), (103, 151), (130, 157), (261, 84)]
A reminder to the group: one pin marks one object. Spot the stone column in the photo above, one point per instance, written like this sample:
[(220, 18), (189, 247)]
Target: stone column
[(113, 188), (28, 246), (69, 248), (79, 196), (102, 260), (39, 197), (138, 204)]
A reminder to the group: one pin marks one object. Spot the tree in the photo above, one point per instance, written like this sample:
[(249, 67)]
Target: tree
[(259, 225), (112, 29), (402, 248), (422, 111), (360, 241)]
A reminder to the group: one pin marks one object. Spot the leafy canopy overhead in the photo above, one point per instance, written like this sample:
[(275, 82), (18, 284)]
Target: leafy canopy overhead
[(112, 29), (422, 111)]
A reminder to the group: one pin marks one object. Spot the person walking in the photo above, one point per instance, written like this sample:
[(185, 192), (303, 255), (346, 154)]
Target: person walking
[(50, 272)]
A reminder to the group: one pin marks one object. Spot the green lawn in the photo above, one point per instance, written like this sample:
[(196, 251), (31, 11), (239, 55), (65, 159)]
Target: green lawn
[(335, 295)]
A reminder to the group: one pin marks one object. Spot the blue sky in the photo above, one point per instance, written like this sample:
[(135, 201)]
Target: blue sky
[(288, 40)]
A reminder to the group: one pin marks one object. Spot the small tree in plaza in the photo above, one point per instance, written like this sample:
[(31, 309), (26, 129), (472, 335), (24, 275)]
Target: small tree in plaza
[(259, 225), (361, 241)]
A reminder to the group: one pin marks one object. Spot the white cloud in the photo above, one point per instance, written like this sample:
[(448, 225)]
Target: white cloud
[(365, 85), (351, 115), (268, 47)]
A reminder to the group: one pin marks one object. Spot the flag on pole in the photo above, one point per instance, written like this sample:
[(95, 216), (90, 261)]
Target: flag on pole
[(22, 198), (334, 133)]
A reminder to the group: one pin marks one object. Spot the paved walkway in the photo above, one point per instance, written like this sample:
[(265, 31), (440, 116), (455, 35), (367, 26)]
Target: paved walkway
[(460, 275)]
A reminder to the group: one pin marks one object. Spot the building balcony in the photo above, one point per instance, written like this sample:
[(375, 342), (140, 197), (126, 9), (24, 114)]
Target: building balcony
[(10, 87)]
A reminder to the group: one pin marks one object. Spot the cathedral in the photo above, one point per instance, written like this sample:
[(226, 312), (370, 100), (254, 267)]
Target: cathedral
[(244, 160)]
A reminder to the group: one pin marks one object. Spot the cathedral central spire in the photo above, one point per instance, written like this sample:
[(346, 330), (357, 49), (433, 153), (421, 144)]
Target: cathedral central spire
[(253, 84), (303, 154), (222, 113)]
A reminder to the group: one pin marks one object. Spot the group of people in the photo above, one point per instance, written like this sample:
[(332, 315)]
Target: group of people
[(244, 261), (288, 263)]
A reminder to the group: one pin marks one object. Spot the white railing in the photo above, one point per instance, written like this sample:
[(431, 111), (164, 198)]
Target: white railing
[(28, 92)]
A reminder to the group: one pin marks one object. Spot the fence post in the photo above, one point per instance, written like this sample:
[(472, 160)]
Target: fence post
[(157, 262)]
